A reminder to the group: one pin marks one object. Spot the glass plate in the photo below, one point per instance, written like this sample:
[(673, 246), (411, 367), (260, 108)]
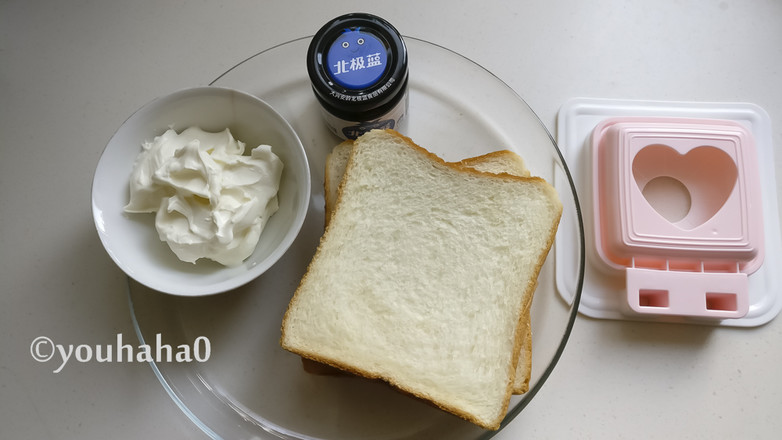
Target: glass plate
[(251, 388)]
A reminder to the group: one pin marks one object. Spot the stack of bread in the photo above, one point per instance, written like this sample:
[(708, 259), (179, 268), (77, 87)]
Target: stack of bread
[(426, 272)]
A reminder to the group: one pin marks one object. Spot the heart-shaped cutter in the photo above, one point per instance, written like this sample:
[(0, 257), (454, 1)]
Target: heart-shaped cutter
[(696, 266)]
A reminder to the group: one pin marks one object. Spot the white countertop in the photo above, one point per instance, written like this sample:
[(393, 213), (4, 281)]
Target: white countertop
[(72, 71)]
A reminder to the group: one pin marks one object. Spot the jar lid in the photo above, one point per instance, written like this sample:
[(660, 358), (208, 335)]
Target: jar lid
[(358, 66)]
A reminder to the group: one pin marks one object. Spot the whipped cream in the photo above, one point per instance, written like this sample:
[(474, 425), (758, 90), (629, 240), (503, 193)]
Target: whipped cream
[(211, 200)]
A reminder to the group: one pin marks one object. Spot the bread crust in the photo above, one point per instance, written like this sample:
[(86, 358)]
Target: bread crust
[(520, 325), (499, 154), (463, 167)]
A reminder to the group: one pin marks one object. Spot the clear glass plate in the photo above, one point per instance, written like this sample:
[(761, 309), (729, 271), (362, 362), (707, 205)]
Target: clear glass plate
[(251, 388)]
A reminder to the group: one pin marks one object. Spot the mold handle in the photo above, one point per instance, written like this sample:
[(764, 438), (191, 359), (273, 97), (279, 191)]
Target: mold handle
[(718, 295)]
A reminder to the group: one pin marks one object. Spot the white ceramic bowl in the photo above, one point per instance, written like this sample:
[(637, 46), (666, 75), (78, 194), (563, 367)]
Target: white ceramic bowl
[(131, 239)]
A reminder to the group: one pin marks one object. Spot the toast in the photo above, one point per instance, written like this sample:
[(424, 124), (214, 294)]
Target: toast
[(424, 276), (503, 161)]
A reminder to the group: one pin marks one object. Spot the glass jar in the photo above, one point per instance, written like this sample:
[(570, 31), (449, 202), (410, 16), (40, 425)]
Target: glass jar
[(358, 67)]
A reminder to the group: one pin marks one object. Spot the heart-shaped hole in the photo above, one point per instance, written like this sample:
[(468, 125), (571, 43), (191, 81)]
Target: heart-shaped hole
[(686, 189)]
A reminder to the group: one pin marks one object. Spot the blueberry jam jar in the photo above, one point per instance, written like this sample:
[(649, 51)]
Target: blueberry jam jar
[(358, 67)]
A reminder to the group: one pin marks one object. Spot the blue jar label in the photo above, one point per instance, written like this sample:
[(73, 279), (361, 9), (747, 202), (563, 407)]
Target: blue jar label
[(357, 59)]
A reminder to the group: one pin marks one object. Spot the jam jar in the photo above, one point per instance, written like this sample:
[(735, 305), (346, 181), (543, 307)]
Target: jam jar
[(358, 67)]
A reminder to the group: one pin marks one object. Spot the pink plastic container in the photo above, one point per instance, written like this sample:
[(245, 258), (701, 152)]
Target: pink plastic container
[(677, 206)]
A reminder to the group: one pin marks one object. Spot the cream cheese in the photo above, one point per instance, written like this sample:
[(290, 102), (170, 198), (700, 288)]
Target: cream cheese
[(211, 200)]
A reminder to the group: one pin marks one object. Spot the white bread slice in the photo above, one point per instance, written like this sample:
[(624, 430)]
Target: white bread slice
[(502, 161), (498, 162), (424, 275), (336, 162)]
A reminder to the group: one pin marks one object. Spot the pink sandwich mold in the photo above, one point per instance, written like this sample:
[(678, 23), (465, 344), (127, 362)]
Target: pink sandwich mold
[(677, 207)]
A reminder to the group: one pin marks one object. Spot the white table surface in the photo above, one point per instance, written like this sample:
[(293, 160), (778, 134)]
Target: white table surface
[(72, 71)]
